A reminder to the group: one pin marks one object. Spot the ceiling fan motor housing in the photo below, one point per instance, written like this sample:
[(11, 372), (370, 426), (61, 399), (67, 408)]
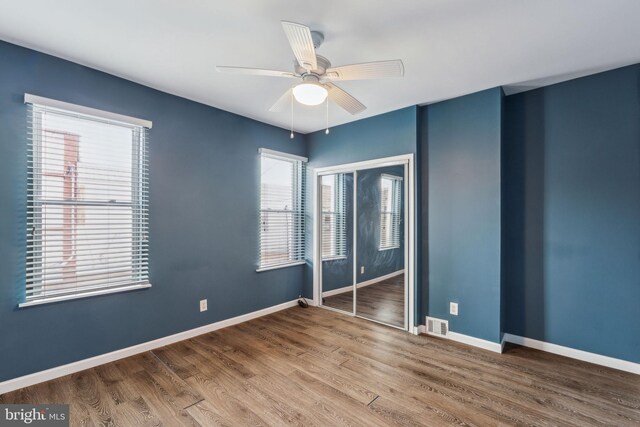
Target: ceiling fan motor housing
[(323, 65)]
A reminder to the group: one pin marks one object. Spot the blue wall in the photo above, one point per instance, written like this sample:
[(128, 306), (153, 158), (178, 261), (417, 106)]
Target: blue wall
[(567, 208), (377, 263), (380, 136), (385, 135), (463, 141), (203, 231), (572, 196), (338, 273)]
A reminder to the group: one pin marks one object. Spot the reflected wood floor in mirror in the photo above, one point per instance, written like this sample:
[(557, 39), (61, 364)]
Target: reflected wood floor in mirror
[(342, 301), (313, 367), (382, 301)]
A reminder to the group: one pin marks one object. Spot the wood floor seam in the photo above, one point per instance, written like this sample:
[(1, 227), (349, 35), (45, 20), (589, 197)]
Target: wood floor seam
[(195, 403), (374, 399)]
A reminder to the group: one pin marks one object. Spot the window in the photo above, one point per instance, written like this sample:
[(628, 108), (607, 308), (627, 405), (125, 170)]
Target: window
[(390, 207), (87, 204), (281, 209), (334, 225)]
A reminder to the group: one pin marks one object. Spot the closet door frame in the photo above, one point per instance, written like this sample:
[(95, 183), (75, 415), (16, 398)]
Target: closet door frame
[(409, 231)]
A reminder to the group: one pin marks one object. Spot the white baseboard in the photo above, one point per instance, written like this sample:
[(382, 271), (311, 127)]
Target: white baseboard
[(81, 365), (362, 284), (476, 342), (466, 339), (379, 279), (573, 353)]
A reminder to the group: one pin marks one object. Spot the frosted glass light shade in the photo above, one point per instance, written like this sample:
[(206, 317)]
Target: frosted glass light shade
[(310, 93)]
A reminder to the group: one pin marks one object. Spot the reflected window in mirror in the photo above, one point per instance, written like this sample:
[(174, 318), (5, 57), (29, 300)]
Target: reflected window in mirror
[(390, 207), (334, 228)]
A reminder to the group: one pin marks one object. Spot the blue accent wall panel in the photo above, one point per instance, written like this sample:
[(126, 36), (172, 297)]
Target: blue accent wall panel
[(572, 193), (464, 223), (204, 184), (422, 201)]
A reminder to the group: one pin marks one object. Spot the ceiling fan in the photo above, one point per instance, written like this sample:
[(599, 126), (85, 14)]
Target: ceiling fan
[(316, 75)]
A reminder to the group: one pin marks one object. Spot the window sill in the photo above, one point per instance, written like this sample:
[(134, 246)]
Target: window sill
[(388, 249), (85, 295), (275, 267), (334, 258)]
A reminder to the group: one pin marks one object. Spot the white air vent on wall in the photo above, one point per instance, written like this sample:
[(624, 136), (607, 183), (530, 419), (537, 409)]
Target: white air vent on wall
[(437, 326)]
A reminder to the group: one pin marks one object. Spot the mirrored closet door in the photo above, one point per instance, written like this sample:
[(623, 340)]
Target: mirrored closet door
[(380, 278), (362, 247)]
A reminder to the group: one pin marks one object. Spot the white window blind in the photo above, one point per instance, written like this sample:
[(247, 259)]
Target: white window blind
[(87, 203), (390, 207), (281, 210), (334, 224)]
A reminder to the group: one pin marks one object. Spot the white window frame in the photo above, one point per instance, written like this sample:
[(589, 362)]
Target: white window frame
[(298, 230), (394, 212), (139, 201)]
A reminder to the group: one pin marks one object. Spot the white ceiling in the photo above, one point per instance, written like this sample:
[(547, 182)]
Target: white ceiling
[(449, 47)]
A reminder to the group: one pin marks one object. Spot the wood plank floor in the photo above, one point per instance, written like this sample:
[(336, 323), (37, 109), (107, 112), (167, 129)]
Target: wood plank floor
[(317, 367), (382, 301)]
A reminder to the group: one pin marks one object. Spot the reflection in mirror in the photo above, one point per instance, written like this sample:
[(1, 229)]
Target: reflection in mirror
[(380, 293), (337, 241)]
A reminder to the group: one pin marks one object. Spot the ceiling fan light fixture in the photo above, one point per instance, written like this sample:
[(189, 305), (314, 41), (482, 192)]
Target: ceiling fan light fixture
[(310, 93)]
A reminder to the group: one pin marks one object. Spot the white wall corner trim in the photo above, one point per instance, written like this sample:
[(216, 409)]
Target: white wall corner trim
[(81, 365), (573, 353)]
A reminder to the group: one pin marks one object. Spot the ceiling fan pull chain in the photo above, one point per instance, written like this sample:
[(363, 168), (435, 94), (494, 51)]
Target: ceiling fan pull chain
[(326, 132), (291, 136)]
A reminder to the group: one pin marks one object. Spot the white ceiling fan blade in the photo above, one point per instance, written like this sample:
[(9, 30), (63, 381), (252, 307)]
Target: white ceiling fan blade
[(254, 71), (283, 103), (367, 70), (301, 43), (344, 100)]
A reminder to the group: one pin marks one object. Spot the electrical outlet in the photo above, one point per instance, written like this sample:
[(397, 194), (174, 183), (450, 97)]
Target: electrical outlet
[(453, 308), (203, 305), (362, 269)]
